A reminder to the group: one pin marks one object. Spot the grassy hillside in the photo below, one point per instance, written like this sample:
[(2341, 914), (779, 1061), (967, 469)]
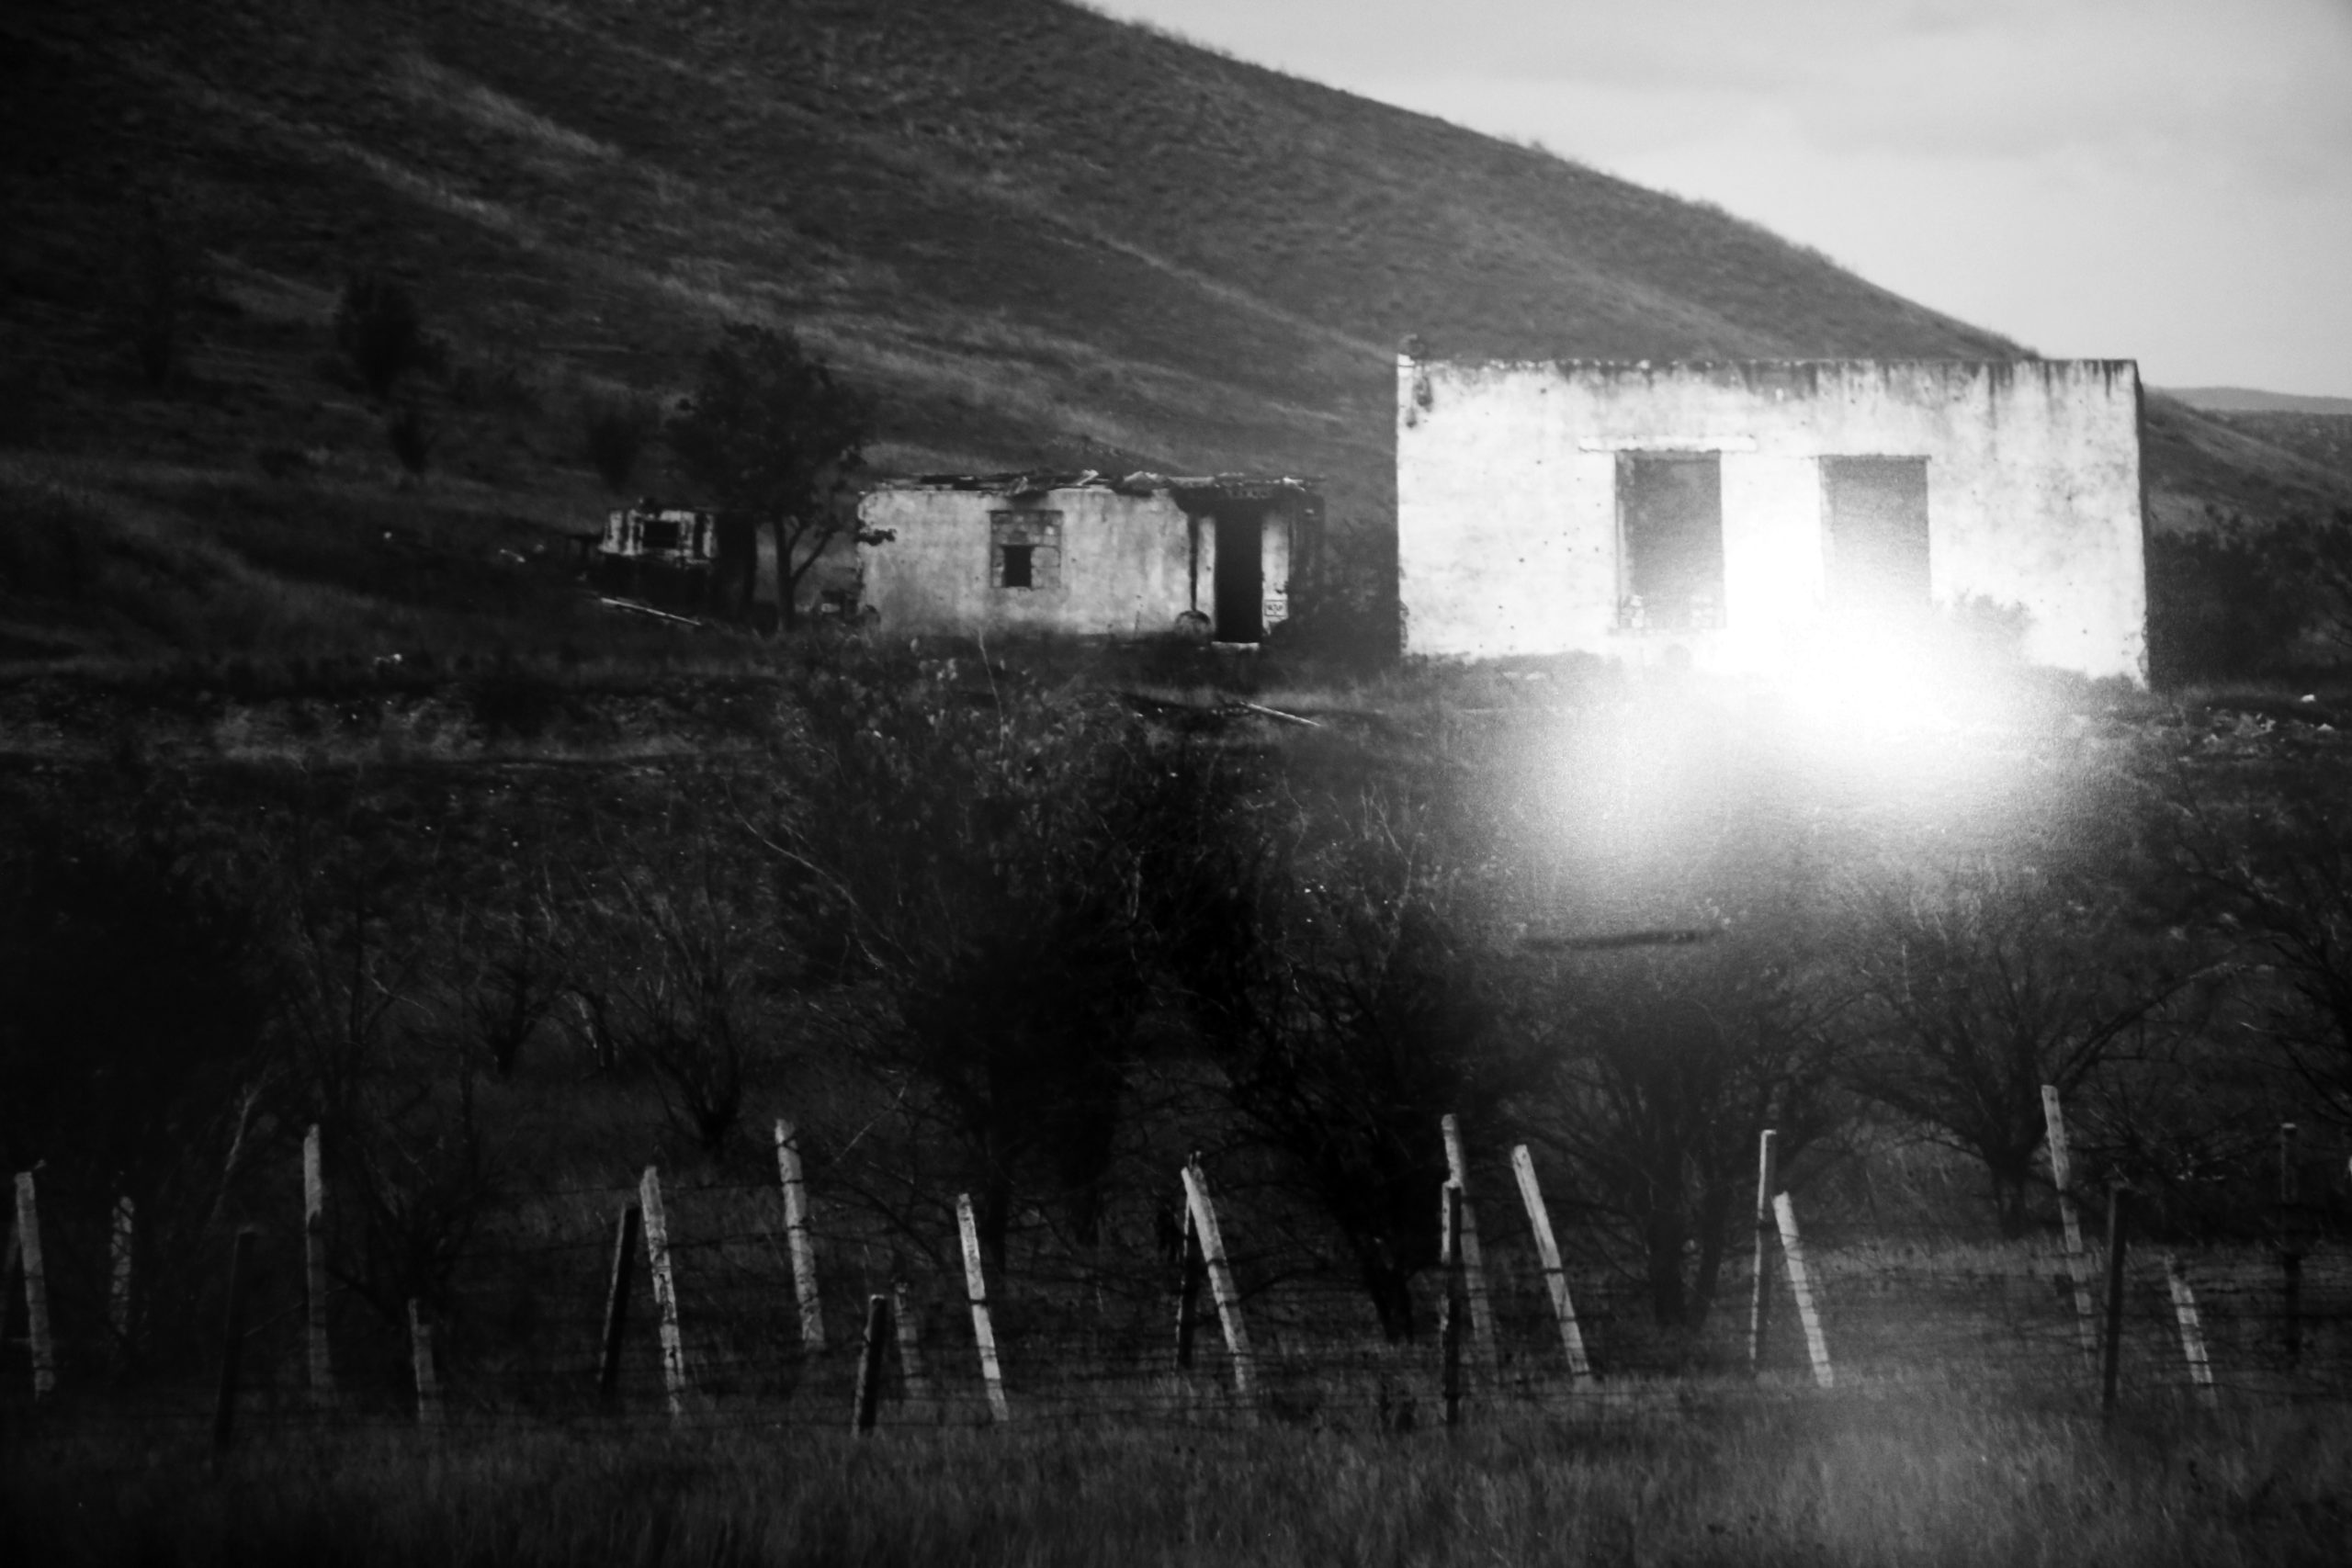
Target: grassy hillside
[(2247, 399), (1039, 235)]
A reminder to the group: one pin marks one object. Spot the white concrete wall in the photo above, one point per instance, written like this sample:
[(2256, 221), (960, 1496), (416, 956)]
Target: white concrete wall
[(1506, 507), (1126, 568)]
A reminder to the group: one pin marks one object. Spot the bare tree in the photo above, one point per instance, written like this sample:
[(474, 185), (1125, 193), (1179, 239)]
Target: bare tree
[(974, 843), (772, 435), (511, 975), (2266, 852), (687, 998), (1980, 983), (1323, 931), (1670, 1060)]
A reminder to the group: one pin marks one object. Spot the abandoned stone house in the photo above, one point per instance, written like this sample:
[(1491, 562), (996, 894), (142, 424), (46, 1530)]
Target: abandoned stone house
[(652, 537), (688, 558), (1753, 517), (1083, 554)]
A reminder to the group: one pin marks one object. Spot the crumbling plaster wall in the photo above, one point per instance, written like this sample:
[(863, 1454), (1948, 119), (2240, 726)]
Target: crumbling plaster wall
[(1126, 566), (1507, 525)]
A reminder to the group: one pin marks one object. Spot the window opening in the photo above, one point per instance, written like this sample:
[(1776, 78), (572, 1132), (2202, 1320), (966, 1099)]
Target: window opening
[(1026, 548), (1671, 533), (1876, 511)]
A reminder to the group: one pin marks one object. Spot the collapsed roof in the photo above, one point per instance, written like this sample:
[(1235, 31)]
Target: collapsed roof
[(1224, 487)]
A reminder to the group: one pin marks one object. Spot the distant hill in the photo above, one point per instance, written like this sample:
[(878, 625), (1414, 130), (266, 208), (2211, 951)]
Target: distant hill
[(2243, 399), (1038, 235)]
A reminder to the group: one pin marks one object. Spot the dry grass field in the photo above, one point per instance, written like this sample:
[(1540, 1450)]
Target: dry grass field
[(1943, 1478)]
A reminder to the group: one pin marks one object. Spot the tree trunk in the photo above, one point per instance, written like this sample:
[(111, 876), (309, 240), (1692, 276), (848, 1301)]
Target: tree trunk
[(1389, 1287), (1714, 1210), (1664, 1237)]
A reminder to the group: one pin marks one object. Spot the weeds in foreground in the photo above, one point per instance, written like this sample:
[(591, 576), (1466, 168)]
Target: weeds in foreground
[(1853, 1479)]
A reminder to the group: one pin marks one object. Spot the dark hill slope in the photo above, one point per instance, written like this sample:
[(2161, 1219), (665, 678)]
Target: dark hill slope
[(1041, 235)]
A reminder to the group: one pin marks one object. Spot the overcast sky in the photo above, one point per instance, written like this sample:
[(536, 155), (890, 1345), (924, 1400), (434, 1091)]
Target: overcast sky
[(2162, 180)]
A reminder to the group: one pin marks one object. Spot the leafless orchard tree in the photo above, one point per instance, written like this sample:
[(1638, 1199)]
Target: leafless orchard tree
[(2265, 848), (1670, 1061), (1981, 981), (1349, 998)]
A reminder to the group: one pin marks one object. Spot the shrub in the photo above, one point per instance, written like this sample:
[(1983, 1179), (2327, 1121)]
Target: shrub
[(2221, 604)]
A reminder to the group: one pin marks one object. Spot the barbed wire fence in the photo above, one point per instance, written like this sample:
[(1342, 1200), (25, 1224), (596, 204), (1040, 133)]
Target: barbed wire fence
[(802, 1300)]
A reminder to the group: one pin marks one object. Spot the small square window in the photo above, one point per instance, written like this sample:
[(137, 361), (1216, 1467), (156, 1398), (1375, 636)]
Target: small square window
[(1026, 549)]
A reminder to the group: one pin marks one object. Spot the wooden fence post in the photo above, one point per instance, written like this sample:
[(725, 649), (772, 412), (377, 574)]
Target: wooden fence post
[(314, 1269), (2192, 1331), (1474, 1269), (1188, 1289), (420, 1360), (976, 1290), (2119, 1202), (1449, 1321), (1221, 1287), (36, 1334), (2293, 1235), (1801, 1286), (869, 1363), (903, 1318), (2078, 1267), (796, 1236), (608, 1350), (1555, 1277), (118, 1273), (233, 1340), (665, 1290), (1760, 1299)]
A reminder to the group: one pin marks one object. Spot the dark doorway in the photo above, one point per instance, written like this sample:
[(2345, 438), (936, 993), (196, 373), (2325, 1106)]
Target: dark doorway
[(1670, 528), (1877, 509), (1240, 575)]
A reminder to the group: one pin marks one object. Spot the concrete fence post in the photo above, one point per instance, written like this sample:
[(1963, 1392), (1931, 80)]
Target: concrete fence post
[(1474, 1268), (314, 1270), (2078, 1267), (796, 1235), (1759, 1299), (665, 1290), (976, 1290), (1801, 1286), (1555, 1278), (1221, 1285), (37, 1331)]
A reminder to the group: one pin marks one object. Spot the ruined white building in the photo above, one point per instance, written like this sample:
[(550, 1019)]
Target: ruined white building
[(1748, 515), (1083, 554)]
